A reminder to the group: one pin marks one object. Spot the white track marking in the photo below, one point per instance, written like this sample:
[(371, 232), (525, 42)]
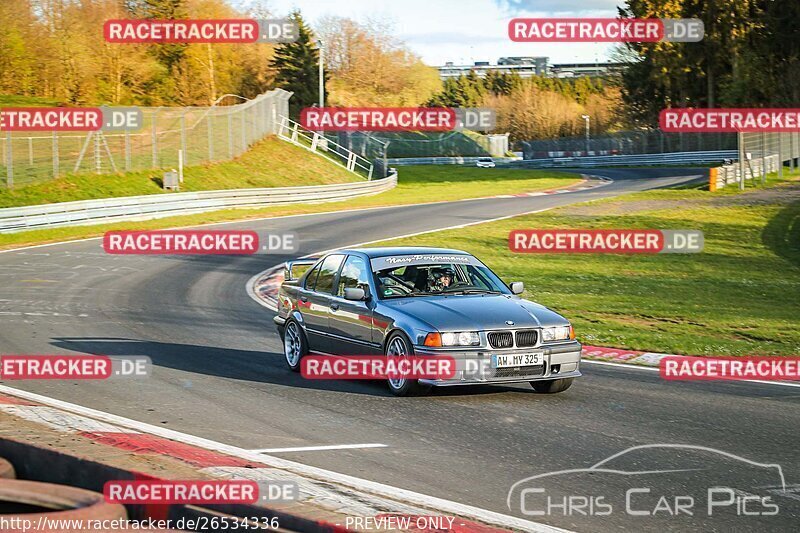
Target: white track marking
[(655, 369), (320, 448), (378, 489)]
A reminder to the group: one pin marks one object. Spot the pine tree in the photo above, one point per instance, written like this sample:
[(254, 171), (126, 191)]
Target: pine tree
[(297, 67)]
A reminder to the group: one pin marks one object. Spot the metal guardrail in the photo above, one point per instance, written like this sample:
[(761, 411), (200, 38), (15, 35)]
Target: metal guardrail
[(675, 158), (404, 161), (89, 212)]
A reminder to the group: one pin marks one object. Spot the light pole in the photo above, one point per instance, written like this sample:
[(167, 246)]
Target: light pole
[(586, 118), (321, 47)]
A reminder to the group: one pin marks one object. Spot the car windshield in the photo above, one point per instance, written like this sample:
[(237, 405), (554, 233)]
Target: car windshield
[(420, 279)]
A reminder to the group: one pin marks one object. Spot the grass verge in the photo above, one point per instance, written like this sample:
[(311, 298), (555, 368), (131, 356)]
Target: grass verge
[(269, 163), (740, 296), (417, 184)]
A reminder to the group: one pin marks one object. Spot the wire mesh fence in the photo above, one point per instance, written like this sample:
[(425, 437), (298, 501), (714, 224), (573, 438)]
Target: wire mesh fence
[(628, 143), (757, 149), (201, 134), (381, 145)]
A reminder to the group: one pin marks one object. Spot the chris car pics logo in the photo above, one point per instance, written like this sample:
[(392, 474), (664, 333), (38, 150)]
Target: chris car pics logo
[(679, 481)]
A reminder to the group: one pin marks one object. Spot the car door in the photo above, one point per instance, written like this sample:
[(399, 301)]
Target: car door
[(315, 302), (351, 321)]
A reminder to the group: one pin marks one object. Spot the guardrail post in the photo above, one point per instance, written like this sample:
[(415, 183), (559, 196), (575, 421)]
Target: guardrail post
[(210, 137), (127, 139), (230, 135), (55, 155), (763, 157), (244, 129), (183, 136), (155, 138), (9, 162), (741, 160)]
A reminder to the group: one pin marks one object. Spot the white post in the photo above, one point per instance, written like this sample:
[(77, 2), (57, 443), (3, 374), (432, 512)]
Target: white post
[(180, 166)]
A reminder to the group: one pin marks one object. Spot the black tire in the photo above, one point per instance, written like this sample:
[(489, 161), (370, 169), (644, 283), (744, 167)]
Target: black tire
[(409, 387), (552, 386), (293, 333)]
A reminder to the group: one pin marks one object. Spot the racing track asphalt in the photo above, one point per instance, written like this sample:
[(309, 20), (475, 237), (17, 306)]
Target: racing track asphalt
[(219, 374)]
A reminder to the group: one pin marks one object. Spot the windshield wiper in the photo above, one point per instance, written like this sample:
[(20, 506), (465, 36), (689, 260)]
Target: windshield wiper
[(468, 290)]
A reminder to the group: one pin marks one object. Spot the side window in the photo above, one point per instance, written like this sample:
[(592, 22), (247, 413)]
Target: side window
[(327, 273), (311, 278), (354, 275)]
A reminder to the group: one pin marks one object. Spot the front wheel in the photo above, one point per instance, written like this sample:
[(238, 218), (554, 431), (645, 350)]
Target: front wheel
[(552, 386), (399, 346), (295, 346)]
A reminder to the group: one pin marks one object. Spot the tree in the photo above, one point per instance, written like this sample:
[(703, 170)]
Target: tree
[(370, 68), (296, 67)]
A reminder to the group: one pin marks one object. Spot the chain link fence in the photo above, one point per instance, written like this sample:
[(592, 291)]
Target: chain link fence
[(756, 150), (382, 145), (201, 134), (628, 143)]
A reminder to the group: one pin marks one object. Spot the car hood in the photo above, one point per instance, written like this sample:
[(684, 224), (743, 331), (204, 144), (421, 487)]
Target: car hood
[(476, 312)]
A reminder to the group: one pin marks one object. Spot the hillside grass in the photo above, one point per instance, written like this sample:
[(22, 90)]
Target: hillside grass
[(417, 184), (269, 163)]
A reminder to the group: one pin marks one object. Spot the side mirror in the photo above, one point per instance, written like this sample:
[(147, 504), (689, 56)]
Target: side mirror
[(355, 294), (517, 287)]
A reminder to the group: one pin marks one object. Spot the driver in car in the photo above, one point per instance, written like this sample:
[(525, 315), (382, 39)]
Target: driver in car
[(440, 279)]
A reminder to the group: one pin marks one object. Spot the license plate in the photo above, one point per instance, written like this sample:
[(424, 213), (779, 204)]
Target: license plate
[(513, 360)]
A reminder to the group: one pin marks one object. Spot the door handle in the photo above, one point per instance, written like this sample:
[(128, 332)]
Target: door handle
[(335, 306), (304, 299)]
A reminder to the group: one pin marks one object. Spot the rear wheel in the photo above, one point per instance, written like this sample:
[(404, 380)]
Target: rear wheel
[(399, 346), (295, 346), (552, 386)]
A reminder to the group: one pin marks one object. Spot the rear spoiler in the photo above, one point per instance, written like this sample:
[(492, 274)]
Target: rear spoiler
[(288, 269)]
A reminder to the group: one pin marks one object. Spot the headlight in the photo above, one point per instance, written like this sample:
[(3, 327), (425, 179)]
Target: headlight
[(457, 338), (560, 333)]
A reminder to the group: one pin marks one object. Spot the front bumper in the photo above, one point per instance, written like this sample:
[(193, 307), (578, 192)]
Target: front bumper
[(474, 366)]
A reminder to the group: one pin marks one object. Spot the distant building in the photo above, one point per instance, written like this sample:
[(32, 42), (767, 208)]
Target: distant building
[(530, 66)]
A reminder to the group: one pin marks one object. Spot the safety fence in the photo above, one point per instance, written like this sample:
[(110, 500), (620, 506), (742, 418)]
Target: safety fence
[(406, 161), (759, 154), (164, 205), (676, 158), (628, 142), (291, 131), (200, 134)]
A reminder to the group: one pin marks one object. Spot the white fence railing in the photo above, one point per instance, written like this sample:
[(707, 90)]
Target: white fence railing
[(164, 205), (291, 131), (753, 168)]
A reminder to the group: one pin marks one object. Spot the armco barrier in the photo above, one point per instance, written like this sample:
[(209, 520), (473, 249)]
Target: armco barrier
[(404, 161), (753, 168), (675, 158), (164, 205)]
